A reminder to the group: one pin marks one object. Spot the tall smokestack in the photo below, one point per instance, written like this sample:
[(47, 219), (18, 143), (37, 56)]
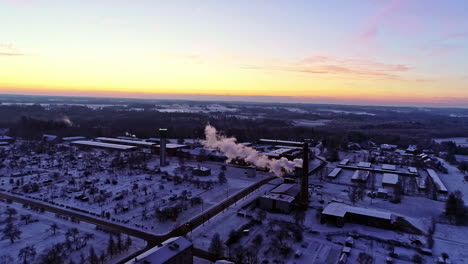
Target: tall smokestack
[(162, 146), (304, 197)]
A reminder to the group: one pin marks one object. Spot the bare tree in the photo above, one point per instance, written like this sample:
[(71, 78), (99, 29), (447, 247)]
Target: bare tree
[(11, 232), (216, 246), (27, 254)]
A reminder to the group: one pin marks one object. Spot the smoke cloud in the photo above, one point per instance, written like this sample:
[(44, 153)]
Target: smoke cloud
[(232, 150), (66, 120)]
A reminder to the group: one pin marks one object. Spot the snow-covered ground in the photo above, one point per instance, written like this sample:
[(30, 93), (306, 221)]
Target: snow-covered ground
[(39, 234)]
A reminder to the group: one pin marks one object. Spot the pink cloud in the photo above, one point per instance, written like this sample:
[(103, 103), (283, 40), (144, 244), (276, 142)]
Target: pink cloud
[(333, 67), (373, 24)]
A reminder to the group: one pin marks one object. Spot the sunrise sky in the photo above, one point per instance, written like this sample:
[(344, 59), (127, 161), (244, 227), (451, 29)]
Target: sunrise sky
[(397, 52)]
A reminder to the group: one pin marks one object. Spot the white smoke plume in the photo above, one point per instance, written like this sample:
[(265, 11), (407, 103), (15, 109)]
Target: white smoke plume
[(66, 120), (232, 150)]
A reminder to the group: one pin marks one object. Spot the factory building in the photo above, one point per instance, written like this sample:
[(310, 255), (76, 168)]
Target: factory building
[(340, 213), (176, 250), (389, 179), (102, 145), (360, 176), (439, 185), (281, 198), (171, 149), (136, 143)]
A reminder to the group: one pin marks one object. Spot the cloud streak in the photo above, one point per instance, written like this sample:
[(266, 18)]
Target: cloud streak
[(374, 22)]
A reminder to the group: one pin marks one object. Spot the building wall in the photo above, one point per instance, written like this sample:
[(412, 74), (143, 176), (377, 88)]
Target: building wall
[(184, 257)]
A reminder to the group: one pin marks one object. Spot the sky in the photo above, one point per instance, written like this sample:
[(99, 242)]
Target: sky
[(379, 52)]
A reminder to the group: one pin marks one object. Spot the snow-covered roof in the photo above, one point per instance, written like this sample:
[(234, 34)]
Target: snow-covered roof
[(273, 141), (388, 146), (390, 178), (5, 138), (173, 146), (364, 164), (279, 197), (340, 210), (290, 189), (334, 172), (388, 167), (344, 162), (412, 170), (437, 181), (360, 175), (73, 138), (125, 141), (277, 152), (102, 145), (163, 253)]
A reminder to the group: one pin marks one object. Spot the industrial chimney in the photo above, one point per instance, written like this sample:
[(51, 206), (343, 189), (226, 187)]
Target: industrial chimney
[(162, 146), (304, 196)]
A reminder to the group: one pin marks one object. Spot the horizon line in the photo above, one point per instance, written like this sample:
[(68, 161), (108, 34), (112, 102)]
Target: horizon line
[(252, 99)]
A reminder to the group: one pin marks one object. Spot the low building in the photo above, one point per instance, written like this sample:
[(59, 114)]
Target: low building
[(334, 173), (102, 145), (340, 213), (6, 139), (344, 162), (50, 138), (201, 171), (439, 185), (388, 147), (389, 179), (388, 167), (412, 149), (171, 149), (363, 164), (360, 176), (281, 198), (70, 139), (176, 250), (413, 170), (136, 143)]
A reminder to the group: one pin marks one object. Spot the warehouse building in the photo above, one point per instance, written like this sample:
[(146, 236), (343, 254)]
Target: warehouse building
[(334, 173), (360, 176), (281, 198), (136, 143), (437, 181), (389, 179), (340, 213), (102, 145), (176, 250)]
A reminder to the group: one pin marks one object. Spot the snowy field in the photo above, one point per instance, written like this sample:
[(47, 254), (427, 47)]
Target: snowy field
[(38, 232), (310, 123)]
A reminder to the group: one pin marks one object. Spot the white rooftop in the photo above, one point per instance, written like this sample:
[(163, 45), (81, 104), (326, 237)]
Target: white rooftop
[(102, 144), (390, 178), (438, 182), (279, 197), (126, 141), (161, 254), (412, 170), (334, 172), (363, 164), (344, 162), (340, 210), (388, 167)]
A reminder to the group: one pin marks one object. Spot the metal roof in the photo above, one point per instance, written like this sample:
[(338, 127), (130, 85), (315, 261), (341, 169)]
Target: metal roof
[(340, 210), (102, 145), (125, 141)]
